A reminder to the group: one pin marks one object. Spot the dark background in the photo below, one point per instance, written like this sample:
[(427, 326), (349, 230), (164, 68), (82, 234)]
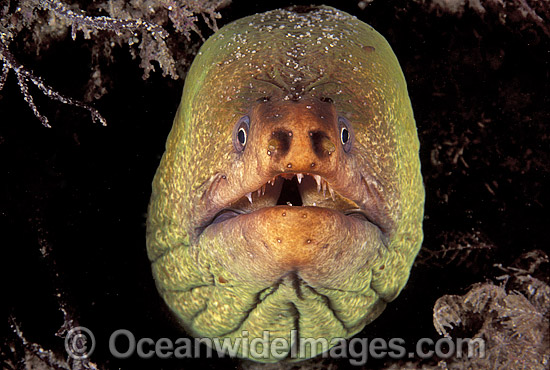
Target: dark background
[(73, 198)]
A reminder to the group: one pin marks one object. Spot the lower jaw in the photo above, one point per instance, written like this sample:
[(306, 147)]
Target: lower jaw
[(257, 272), (322, 246)]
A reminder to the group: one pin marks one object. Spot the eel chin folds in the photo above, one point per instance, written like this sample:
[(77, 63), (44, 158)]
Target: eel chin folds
[(289, 200)]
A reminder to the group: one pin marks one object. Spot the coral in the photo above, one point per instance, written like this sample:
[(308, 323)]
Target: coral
[(141, 24), (38, 357), (536, 12), (456, 248), (512, 318), (24, 76)]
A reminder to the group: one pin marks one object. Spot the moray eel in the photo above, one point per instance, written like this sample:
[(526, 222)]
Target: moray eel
[(288, 204)]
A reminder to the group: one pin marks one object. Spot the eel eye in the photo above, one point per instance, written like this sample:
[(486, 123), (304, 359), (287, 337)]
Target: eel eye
[(344, 136), (241, 136), (345, 133), (240, 133)]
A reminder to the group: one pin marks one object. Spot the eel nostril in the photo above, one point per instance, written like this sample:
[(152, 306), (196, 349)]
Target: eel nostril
[(321, 144), (279, 142)]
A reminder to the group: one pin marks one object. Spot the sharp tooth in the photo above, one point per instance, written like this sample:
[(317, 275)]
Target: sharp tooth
[(259, 192), (299, 176), (263, 189), (324, 189), (318, 181), (272, 182), (314, 204), (331, 193), (249, 196)]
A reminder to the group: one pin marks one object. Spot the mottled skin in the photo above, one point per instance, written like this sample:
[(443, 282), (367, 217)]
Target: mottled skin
[(297, 74)]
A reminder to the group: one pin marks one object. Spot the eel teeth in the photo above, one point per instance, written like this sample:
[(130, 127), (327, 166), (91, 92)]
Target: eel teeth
[(331, 191), (321, 184), (318, 181)]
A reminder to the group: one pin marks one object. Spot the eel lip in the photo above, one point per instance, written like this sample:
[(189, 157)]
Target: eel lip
[(290, 189)]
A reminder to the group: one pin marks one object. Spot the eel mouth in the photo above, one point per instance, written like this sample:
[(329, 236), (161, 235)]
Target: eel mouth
[(293, 223), (305, 190)]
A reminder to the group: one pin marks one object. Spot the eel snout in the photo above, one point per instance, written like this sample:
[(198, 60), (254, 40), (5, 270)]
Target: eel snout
[(300, 137)]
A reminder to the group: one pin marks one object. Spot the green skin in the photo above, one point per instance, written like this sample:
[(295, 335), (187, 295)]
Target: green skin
[(254, 272)]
